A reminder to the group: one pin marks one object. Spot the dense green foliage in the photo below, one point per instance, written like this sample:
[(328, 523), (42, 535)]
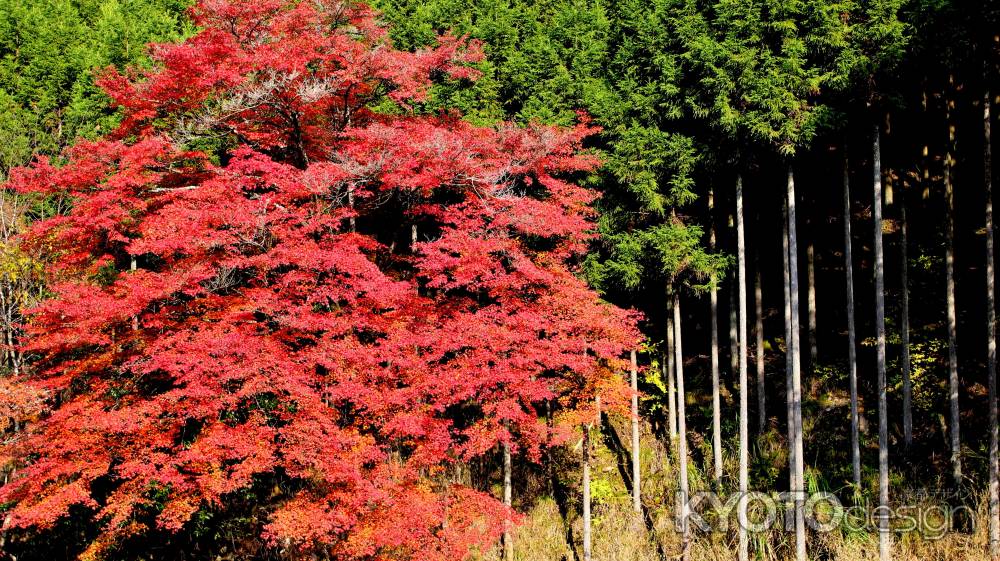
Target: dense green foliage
[(49, 53)]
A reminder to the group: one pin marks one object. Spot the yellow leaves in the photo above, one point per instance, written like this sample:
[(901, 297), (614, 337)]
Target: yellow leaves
[(20, 275), (16, 265)]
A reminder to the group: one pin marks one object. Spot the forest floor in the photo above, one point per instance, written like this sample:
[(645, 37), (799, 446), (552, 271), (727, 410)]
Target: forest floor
[(944, 526)]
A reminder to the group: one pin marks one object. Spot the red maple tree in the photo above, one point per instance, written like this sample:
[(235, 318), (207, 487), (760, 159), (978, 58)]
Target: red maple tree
[(263, 279)]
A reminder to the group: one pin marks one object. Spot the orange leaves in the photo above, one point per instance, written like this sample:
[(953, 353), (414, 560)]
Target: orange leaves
[(409, 521), (19, 403), (53, 505)]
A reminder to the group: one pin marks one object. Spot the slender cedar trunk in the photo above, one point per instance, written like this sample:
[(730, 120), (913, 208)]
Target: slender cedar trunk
[(789, 338), (905, 324), (668, 375), (352, 222), (741, 279), (991, 332), (954, 429), (759, 342), (793, 289), (852, 358), (133, 265), (11, 321), (949, 193), (734, 343), (508, 545), (671, 371), (636, 485), (811, 301), (5, 304), (681, 427), (7, 297), (716, 405), (884, 537), (548, 463), (586, 493)]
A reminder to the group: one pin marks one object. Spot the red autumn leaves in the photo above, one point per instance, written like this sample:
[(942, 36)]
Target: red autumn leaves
[(281, 323)]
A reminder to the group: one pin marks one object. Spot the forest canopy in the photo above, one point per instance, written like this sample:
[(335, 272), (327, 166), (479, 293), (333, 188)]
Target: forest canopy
[(450, 279)]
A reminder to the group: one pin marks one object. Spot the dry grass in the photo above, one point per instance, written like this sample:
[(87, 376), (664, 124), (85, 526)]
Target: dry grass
[(621, 535)]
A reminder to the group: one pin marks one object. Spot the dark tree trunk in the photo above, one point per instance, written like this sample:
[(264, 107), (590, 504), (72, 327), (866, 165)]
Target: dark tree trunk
[(741, 281), (508, 544), (798, 489), (636, 477), (852, 359), (682, 452), (759, 345), (586, 495), (953, 382), (905, 324), (885, 537), (671, 371), (716, 402), (991, 333)]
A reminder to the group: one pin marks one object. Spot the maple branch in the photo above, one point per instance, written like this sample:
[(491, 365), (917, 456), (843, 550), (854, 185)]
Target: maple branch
[(173, 189)]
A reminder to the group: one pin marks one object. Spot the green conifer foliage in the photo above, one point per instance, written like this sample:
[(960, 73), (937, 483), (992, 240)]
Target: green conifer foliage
[(49, 51)]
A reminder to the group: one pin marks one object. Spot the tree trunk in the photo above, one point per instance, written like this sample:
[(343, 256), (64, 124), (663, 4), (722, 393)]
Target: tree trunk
[(636, 484), (734, 350), (133, 265), (5, 306), (991, 332), (793, 288), (681, 426), (905, 324), (789, 339), (352, 221), (741, 279), (10, 325), (586, 494), (884, 536), (759, 343), (508, 545), (716, 405), (734, 342), (954, 429), (811, 302), (671, 371), (852, 357)]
